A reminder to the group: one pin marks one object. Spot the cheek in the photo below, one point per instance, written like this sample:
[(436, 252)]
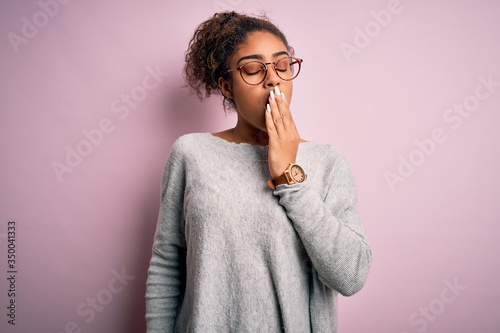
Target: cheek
[(289, 93), (238, 93), (245, 96)]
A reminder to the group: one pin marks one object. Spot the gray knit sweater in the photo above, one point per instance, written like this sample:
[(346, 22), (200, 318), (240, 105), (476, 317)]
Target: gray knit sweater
[(231, 255)]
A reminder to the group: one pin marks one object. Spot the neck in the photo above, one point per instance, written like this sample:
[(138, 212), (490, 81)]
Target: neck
[(255, 136)]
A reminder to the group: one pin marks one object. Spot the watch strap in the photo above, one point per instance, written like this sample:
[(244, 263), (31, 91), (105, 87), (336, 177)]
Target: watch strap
[(272, 183)]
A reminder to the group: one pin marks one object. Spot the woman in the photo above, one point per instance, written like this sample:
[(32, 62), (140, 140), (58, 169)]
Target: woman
[(258, 229)]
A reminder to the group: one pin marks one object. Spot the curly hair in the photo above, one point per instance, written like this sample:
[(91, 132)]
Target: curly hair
[(213, 44)]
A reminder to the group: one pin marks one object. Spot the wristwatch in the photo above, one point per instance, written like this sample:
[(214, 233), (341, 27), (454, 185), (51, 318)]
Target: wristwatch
[(294, 174)]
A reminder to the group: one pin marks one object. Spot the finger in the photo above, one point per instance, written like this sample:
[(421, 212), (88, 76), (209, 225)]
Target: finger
[(271, 129), (276, 115), (286, 115), (284, 109)]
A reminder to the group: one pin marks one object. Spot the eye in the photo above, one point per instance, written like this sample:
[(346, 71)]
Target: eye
[(283, 65), (253, 68)]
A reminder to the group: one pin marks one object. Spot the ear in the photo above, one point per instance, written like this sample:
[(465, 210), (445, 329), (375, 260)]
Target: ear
[(225, 88)]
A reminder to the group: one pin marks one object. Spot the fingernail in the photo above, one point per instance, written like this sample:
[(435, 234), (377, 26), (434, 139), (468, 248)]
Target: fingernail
[(277, 90), (268, 108), (272, 95), (283, 95)]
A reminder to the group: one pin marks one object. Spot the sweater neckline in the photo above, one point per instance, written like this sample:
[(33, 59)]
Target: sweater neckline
[(245, 145)]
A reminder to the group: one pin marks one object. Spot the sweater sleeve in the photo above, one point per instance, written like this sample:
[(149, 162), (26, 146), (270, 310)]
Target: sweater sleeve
[(166, 274), (330, 227)]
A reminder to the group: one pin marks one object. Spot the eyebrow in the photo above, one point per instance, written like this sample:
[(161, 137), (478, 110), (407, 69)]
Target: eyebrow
[(259, 56)]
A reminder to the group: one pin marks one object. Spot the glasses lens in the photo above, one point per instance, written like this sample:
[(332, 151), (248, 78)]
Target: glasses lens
[(253, 72), (288, 68)]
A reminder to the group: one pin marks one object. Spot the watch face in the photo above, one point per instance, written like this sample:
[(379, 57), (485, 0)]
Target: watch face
[(297, 173)]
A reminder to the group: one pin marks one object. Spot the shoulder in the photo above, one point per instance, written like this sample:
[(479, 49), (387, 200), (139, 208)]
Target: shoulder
[(181, 150), (190, 140), (188, 144)]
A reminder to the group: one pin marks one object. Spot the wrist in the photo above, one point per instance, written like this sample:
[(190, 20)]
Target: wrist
[(293, 174)]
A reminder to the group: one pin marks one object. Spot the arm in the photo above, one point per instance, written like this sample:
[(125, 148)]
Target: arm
[(330, 228), (166, 274)]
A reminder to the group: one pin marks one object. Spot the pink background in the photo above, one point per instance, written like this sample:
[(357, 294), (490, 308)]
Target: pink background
[(436, 226)]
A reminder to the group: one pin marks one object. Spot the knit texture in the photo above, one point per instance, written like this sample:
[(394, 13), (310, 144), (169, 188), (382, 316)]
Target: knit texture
[(232, 255)]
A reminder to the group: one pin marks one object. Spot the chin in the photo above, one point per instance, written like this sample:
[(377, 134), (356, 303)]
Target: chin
[(262, 128)]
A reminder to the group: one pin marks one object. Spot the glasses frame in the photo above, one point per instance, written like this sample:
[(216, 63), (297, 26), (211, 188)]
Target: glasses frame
[(266, 64)]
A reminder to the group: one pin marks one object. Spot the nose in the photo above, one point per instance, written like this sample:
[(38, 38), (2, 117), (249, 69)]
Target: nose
[(272, 78)]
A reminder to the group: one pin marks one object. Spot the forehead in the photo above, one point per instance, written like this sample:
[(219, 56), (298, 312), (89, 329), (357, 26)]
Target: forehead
[(260, 43)]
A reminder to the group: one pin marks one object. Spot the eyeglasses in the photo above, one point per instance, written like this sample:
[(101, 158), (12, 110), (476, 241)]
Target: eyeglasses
[(255, 72)]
